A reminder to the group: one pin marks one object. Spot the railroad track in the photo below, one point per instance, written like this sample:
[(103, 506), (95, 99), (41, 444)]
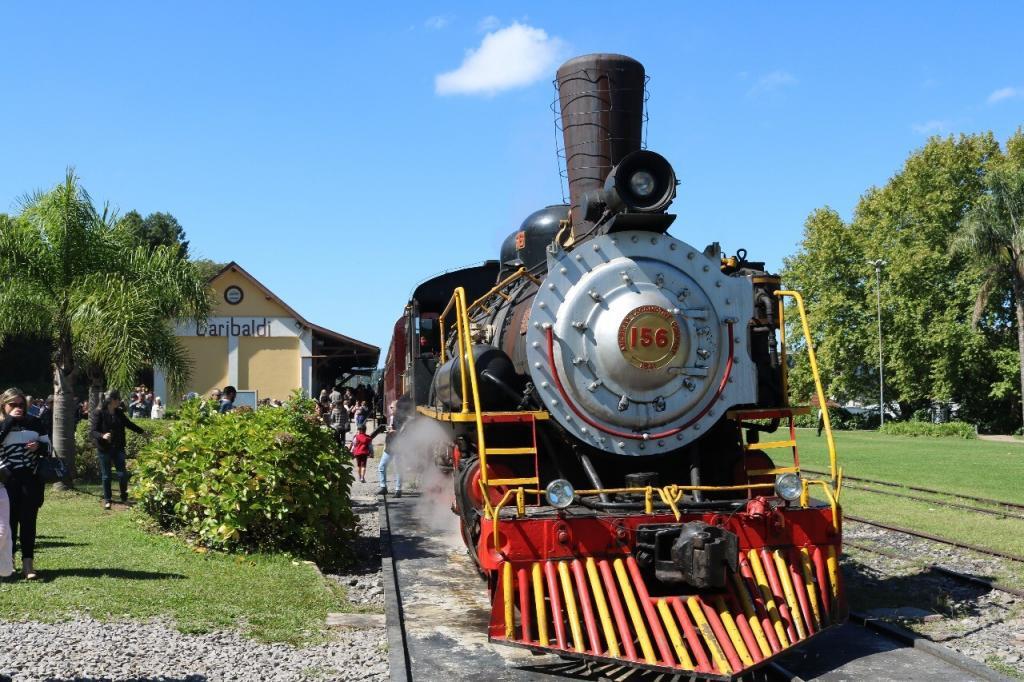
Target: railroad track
[(957, 575), (935, 538)]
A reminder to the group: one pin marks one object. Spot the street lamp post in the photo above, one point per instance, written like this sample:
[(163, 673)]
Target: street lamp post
[(881, 385)]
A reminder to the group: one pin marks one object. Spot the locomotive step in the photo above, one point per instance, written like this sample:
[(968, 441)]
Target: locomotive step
[(511, 451), (513, 481)]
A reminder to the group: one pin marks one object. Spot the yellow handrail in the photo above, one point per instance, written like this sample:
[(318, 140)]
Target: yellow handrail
[(820, 392)]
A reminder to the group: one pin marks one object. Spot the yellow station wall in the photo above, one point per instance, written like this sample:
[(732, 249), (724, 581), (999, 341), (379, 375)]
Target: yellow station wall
[(270, 366), (209, 362)]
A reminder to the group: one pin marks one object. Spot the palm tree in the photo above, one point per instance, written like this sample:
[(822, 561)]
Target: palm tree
[(993, 234), (70, 274)]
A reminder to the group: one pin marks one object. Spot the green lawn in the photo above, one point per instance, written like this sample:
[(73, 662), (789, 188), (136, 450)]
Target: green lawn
[(103, 563), (972, 467)]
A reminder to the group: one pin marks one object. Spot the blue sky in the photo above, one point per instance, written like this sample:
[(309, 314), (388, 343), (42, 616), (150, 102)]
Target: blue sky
[(315, 143)]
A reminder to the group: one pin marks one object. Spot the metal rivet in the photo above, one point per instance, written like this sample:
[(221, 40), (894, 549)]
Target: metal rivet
[(579, 256), (690, 255), (672, 246), (728, 301), (654, 240), (706, 268), (679, 436), (537, 364), (583, 429), (536, 325), (543, 384), (554, 402), (536, 344), (542, 304), (551, 285), (643, 446), (594, 295), (621, 444), (634, 239), (718, 284), (546, 326), (661, 443), (696, 427), (597, 247), (563, 269)]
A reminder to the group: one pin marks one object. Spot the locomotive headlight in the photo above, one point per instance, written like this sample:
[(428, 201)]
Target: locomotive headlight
[(788, 486), (560, 493), (642, 183)]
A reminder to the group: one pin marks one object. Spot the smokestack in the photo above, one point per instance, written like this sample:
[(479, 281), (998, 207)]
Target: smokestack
[(601, 97)]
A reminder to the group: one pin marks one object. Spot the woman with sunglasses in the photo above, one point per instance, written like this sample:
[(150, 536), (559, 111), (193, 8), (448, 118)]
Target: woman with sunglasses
[(22, 441)]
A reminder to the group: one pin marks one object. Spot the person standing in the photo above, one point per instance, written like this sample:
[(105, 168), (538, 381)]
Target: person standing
[(362, 449), (339, 421), (398, 415), (106, 428), (22, 442), (227, 403), (157, 411)]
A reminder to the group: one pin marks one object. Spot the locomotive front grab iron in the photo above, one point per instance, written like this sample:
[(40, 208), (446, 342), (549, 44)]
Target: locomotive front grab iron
[(605, 388)]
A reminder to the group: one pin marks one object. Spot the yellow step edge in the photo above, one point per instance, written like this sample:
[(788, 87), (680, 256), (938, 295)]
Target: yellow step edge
[(770, 445), (511, 451), (775, 471), (513, 481)]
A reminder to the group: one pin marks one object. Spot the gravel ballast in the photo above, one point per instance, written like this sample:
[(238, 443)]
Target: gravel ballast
[(84, 648)]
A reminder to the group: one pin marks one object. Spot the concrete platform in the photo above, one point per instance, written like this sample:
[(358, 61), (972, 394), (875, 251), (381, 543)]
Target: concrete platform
[(437, 615)]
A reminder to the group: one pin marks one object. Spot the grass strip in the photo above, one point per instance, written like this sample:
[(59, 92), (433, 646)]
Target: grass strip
[(103, 563)]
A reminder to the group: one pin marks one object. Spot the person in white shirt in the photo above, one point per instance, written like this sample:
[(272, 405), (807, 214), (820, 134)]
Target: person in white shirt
[(157, 412)]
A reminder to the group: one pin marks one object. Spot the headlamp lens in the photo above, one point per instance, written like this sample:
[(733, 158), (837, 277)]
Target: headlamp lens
[(788, 486), (642, 183), (560, 493)]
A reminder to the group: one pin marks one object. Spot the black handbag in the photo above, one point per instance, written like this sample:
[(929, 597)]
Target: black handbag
[(50, 469)]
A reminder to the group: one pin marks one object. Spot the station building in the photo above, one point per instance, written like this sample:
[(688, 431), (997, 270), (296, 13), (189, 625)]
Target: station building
[(256, 342)]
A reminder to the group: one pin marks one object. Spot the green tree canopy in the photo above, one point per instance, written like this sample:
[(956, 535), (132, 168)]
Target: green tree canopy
[(928, 289), (156, 229)]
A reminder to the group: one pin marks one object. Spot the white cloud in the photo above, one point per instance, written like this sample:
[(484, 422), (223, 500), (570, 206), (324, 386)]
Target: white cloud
[(511, 57), (934, 127), (1005, 93), (770, 82), (437, 23), (488, 23)]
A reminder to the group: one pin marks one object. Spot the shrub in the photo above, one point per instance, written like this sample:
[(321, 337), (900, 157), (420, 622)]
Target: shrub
[(269, 479), (912, 428), (841, 419)]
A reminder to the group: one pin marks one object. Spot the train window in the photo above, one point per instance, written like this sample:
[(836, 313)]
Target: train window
[(428, 332)]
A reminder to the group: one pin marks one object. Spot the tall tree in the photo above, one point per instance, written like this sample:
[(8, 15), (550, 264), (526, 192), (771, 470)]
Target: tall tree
[(156, 229), (931, 352), (70, 274), (993, 234)]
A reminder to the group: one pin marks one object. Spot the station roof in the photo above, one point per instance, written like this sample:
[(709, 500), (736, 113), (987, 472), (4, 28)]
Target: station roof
[(327, 344)]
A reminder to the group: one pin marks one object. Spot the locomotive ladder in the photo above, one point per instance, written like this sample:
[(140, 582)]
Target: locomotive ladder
[(529, 450)]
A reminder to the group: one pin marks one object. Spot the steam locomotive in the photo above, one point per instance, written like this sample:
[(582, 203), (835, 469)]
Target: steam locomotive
[(609, 396)]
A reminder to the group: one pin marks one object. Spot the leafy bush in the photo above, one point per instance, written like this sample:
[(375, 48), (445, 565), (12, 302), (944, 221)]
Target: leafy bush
[(87, 465), (948, 429), (270, 479), (841, 420)]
